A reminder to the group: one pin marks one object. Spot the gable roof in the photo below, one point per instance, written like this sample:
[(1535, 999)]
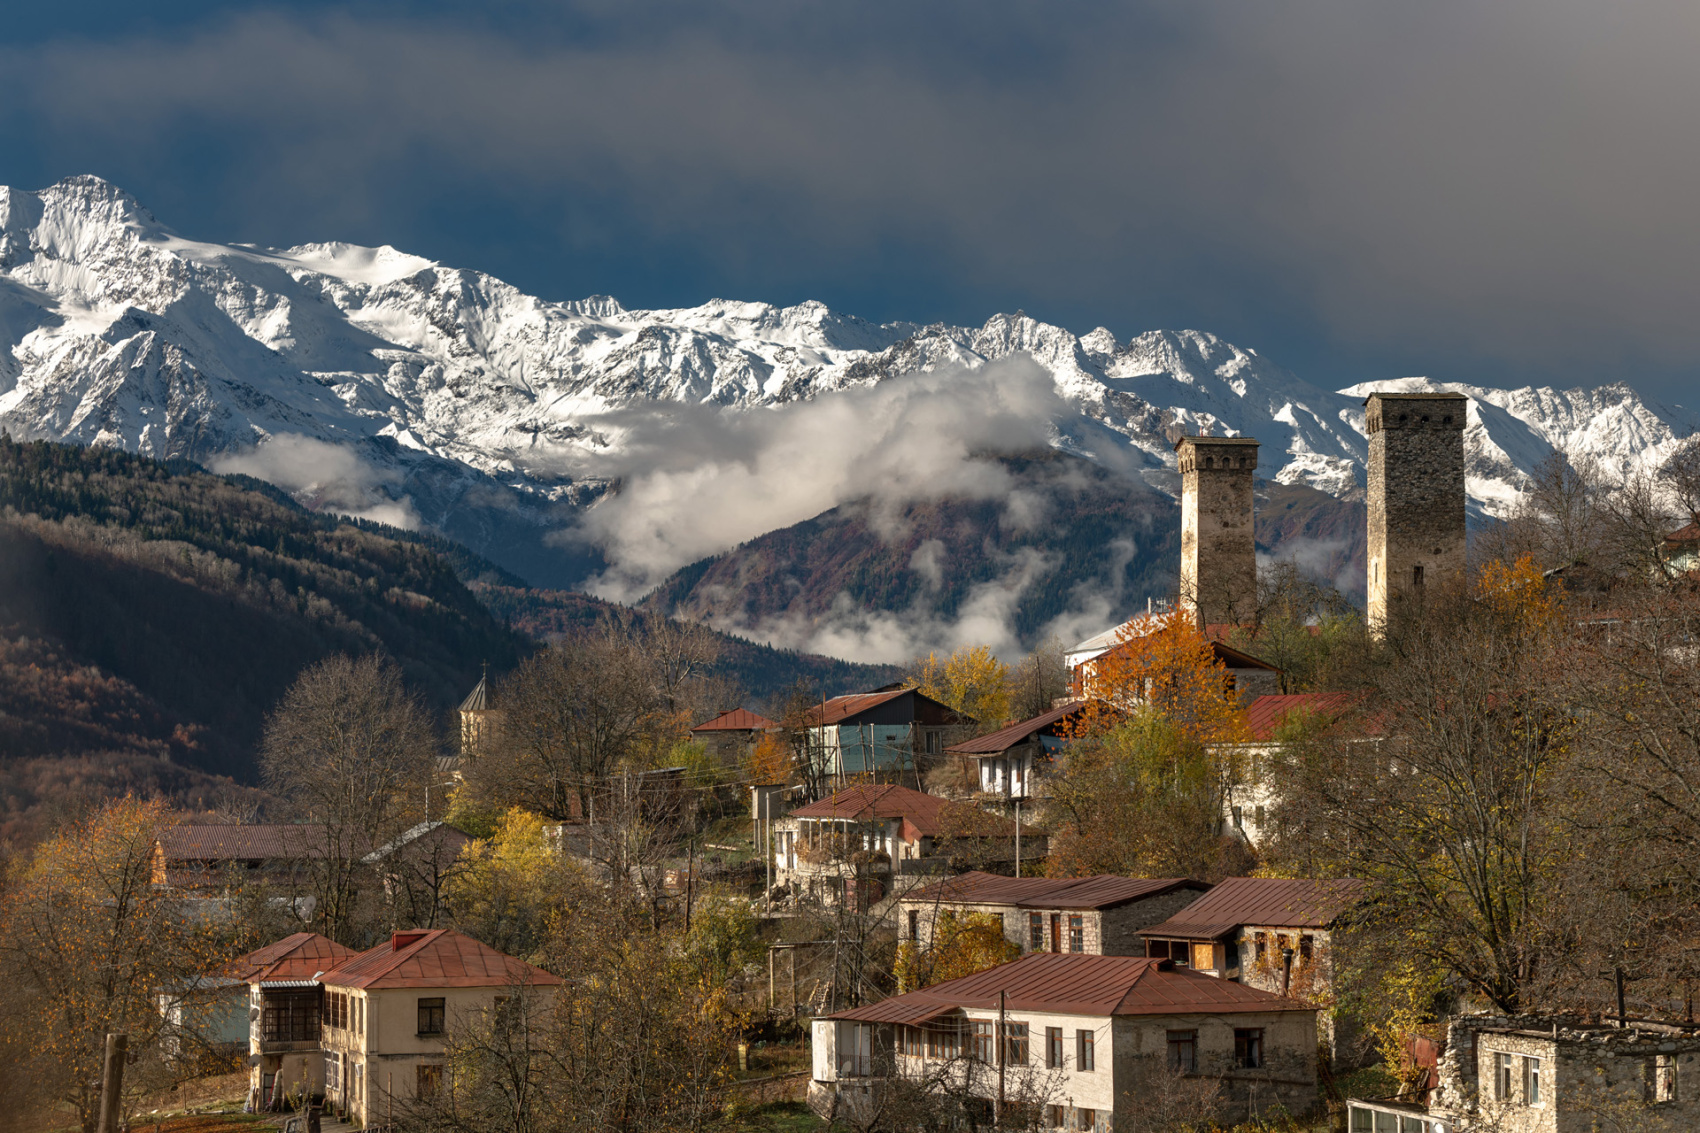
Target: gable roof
[(841, 708), (298, 956), (737, 720), (867, 801), (1267, 713), (241, 842), (1079, 984), (1100, 892), (437, 833), (436, 958), (1005, 738), (1280, 902)]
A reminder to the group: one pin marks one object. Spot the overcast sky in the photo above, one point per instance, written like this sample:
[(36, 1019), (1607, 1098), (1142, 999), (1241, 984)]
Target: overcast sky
[(1501, 193)]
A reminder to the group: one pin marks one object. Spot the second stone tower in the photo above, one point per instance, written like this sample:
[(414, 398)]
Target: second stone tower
[(1416, 496), (1218, 582)]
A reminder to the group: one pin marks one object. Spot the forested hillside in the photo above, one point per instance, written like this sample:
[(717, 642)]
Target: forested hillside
[(150, 616)]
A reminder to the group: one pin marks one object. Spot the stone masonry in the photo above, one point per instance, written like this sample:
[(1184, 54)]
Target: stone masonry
[(1416, 496), (1218, 581)]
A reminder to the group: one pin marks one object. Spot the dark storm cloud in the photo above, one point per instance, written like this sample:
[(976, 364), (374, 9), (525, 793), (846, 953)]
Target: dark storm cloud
[(1509, 183)]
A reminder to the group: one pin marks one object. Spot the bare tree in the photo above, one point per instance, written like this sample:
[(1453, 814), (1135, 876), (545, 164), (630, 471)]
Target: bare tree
[(1039, 680), (350, 752), (1681, 477)]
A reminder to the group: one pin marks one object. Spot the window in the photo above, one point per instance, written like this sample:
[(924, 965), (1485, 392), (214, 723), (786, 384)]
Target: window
[(1501, 1077), (1417, 577), (429, 1079), (1307, 948), (1239, 818), (1056, 932), (1248, 1047), (983, 1040), (1261, 944), (1181, 953), (333, 1073), (1076, 933), (1531, 1081), (912, 1041), (431, 1016), (1183, 1051), (1035, 932), (1053, 1048), (932, 743), (914, 926), (290, 1016), (1056, 1117), (1085, 1058), (1662, 1087), (1015, 1044), (1085, 1119)]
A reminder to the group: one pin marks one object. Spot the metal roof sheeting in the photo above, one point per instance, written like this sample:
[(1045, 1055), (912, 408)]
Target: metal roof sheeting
[(438, 958), (1279, 902), (1078, 984), (1267, 713), (298, 956), (737, 720), (248, 841), (1099, 892), (1003, 739)]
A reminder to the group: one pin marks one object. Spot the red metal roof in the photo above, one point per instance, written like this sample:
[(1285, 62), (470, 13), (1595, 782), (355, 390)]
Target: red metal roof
[(437, 958), (1267, 713), (242, 842), (1279, 902), (843, 707), (1688, 534), (1100, 892), (1078, 984), (737, 720), (298, 956), (995, 743)]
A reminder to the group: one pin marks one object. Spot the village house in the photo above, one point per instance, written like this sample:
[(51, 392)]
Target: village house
[(1099, 915), (1247, 677), (1250, 798), (884, 731), (864, 836), (1550, 1074), (1085, 1037), (733, 735), (1274, 933), (283, 1000), (388, 1010), (1007, 765)]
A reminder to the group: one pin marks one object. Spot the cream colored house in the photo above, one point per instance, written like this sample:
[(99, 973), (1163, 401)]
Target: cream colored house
[(283, 1008), (389, 1010), (1079, 1040)]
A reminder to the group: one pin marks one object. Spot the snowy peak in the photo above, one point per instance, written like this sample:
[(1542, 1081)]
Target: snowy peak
[(114, 329)]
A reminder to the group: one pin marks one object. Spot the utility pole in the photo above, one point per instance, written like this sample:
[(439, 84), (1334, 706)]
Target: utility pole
[(1018, 836), (112, 1083), (997, 1118)]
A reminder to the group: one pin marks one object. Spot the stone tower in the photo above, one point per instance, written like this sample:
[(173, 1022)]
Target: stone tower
[(1416, 496), (1218, 544)]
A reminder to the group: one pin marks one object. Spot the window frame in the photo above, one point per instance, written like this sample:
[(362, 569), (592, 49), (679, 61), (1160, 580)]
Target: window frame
[(427, 1079), (433, 1009), (1248, 1048), (1076, 933), (1531, 1068), (1183, 1051), (1085, 1050), (1501, 1075), (1054, 1055), (983, 1036), (1016, 1045), (1035, 932)]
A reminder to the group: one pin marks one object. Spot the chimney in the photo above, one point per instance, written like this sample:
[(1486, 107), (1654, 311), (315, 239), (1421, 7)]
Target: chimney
[(1218, 540), (1416, 497), (401, 940)]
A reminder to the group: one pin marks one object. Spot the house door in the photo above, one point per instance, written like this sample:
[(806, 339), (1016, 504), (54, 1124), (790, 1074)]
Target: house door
[(1056, 932), (266, 1082)]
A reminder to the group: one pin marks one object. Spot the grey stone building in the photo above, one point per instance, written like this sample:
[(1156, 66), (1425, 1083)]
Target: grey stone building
[(1416, 496), (1218, 579)]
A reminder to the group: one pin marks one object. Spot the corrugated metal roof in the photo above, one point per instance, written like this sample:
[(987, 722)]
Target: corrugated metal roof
[(478, 700), (843, 707), (298, 956), (1005, 738), (1102, 891), (1267, 713), (437, 958), (1078, 984), (242, 842), (1280, 902), (737, 720)]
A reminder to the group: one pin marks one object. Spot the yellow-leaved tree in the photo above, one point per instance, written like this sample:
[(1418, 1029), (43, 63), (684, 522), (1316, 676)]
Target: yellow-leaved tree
[(962, 944), (90, 944), (506, 889), (971, 680)]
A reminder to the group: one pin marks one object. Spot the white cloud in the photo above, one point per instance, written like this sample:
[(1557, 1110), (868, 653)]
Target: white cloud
[(324, 477)]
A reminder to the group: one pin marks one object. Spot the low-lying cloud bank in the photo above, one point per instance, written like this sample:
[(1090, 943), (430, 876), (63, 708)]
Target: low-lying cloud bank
[(324, 477)]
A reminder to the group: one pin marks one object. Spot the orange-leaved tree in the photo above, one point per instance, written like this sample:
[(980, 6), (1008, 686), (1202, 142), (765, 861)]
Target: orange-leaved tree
[(962, 944), (1167, 665), (90, 944)]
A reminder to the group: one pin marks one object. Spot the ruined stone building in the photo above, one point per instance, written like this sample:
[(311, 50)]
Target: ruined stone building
[(1416, 496)]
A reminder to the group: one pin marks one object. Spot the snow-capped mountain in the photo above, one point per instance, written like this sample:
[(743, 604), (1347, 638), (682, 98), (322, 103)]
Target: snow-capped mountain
[(464, 398)]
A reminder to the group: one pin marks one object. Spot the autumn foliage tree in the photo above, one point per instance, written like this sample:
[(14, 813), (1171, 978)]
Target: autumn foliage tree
[(88, 945), (971, 680), (1170, 668), (962, 944)]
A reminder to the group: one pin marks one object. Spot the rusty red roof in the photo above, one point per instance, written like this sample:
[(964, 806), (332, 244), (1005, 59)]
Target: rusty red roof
[(737, 720), (1267, 713), (1079, 984), (1279, 902), (255, 841), (1100, 892), (1688, 534), (435, 958), (298, 956), (1002, 740), (843, 707)]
